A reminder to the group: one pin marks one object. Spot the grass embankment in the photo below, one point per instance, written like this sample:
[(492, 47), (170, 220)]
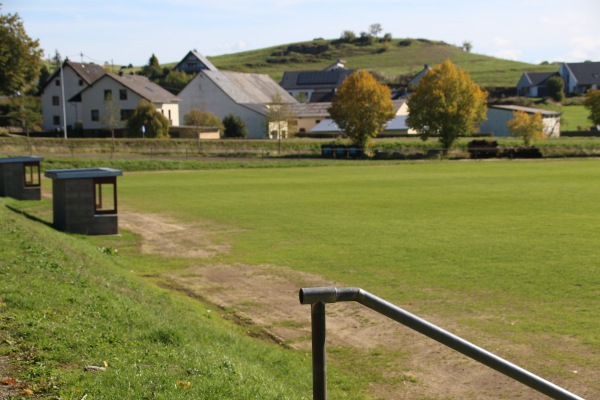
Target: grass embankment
[(66, 303)]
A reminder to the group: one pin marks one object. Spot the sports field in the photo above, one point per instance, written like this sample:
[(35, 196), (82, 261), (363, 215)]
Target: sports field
[(504, 253)]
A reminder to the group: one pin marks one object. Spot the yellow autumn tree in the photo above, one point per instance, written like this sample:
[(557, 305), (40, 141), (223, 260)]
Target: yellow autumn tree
[(526, 126), (362, 107), (446, 103)]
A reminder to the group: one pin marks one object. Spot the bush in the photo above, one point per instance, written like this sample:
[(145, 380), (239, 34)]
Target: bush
[(234, 127), (483, 148)]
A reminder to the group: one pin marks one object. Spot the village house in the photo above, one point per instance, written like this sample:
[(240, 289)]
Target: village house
[(125, 92), (578, 79), (316, 86), (74, 78)]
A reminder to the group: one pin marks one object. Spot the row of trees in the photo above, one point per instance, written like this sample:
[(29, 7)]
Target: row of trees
[(446, 103)]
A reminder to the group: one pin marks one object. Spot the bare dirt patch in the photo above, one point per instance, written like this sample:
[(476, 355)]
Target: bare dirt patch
[(266, 297)]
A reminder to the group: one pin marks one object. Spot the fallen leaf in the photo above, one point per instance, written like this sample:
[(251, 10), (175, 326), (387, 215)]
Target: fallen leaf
[(8, 381), (28, 392)]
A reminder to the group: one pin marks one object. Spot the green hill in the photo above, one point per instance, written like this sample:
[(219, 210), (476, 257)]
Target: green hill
[(395, 61)]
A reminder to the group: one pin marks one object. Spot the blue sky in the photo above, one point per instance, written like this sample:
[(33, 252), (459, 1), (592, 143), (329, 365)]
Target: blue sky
[(129, 31)]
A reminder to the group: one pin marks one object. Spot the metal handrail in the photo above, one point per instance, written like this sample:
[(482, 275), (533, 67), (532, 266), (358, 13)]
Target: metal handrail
[(318, 297)]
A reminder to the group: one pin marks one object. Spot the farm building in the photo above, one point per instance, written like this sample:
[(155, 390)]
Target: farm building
[(498, 117)]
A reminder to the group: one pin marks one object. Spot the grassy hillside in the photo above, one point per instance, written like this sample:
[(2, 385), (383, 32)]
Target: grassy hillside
[(395, 59)]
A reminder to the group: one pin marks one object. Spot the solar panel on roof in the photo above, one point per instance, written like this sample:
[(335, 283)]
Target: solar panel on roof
[(318, 78)]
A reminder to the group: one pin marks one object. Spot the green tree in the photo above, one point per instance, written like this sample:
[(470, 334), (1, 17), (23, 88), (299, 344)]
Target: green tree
[(147, 121), (152, 70), (526, 126), (556, 88), (234, 127), (175, 81), (592, 103), (467, 46), (375, 29), (198, 118), (25, 112), (362, 107), (348, 36), (20, 56), (446, 103)]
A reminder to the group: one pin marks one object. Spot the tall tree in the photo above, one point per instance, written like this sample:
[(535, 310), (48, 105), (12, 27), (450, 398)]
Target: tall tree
[(556, 88), (526, 126), (152, 70), (111, 117), (592, 103), (147, 121), (20, 56), (446, 103), (362, 107), (375, 29), (467, 46)]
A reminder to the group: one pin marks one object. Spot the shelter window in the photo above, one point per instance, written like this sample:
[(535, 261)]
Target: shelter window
[(108, 94), (105, 195), (122, 94), (32, 174)]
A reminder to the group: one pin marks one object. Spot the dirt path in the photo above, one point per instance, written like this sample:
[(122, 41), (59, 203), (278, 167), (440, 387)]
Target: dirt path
[(266, 297)]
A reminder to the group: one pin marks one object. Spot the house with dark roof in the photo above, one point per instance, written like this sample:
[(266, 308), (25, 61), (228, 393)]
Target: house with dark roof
[(417, 78), (579, 77), (65, 83), (247, 96), (316, 86), (533, 84), (126, 92), (193, 63)]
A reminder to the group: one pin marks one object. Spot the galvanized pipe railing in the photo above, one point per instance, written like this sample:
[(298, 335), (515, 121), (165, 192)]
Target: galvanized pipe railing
[(318, 297)]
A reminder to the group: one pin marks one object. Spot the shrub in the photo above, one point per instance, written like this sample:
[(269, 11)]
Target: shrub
[(234, 127)]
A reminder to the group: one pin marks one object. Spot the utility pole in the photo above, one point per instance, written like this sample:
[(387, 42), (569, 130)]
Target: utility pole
[(64, 110)]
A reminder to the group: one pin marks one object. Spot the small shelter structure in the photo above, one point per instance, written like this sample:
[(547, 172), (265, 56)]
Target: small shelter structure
[(85, 200), (20, 178)]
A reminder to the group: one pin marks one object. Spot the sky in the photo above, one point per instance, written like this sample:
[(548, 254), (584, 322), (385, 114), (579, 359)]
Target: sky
[(130, 31)]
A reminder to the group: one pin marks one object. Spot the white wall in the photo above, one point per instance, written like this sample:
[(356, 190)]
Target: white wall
[(498, 118), (203, 94), (71, 82)]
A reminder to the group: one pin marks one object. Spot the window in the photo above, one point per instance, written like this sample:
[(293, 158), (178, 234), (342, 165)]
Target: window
[(57, 82), (95, 115), (81, 82), (126, 114), (122, 94), (32, 174), (108, 94), (56, 120), (55, 101), (105, 195)]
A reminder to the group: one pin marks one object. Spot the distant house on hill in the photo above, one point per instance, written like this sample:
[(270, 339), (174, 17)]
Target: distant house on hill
[(247, 96), (579, 77), (127, 91), (194, 62), (498, 117), (74, 78), (316, 86), (533, 84)]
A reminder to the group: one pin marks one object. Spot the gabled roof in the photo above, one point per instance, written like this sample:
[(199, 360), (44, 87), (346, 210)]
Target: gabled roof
[(586, 73), (248, 88), (89, 72), (529, 110), (538, 78), (415, 80), (310, 110), (295, 80), (195, 56), (138, 84)]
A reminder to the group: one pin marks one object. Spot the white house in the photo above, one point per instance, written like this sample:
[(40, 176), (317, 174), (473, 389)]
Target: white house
[(498, 117), (126, 92), (241, 94), (74, 78), (534, 84)]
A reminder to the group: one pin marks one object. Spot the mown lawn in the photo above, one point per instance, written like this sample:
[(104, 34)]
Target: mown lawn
[(505, 250)]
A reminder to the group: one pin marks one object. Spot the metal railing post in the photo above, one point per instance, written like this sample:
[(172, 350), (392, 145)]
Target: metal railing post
[(319, 362), (317, 297)]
